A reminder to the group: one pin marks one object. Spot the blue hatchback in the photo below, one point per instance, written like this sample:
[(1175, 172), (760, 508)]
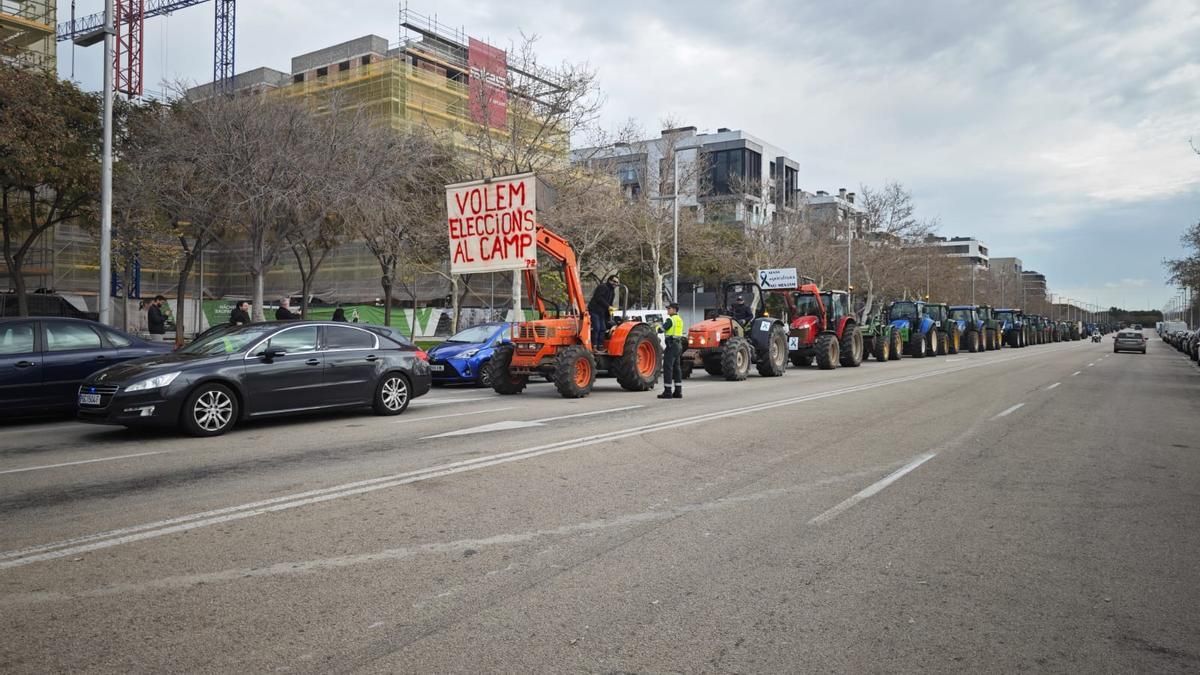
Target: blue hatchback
[(463, 358)]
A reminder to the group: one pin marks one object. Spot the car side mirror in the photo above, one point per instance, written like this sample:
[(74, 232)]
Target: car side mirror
[(272, 353)]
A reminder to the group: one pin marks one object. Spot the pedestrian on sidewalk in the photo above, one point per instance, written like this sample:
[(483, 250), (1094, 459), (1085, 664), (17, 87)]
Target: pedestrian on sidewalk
[(240, 316), (339, 314), (155, 318), (672, 358), (285, 313)]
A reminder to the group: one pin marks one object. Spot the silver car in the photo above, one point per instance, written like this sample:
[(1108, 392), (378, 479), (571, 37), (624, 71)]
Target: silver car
[(1129, 341)]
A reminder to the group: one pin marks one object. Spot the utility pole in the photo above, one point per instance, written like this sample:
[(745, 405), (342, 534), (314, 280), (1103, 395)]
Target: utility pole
[(675, 216), (105, 304)]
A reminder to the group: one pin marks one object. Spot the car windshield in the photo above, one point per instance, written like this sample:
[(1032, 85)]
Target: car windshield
[(228, 342), (961, 315), (903, 310), (807, 305), (473, 334)]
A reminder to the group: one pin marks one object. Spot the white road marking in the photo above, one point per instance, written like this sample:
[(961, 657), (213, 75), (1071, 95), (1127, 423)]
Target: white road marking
[(442, 417), (510, 425), (1076, 373), (426, 403), (1053, 386), (83, 461), (872, 489), (1091, 364), (961, 358), (1009, 411), (101, 540)]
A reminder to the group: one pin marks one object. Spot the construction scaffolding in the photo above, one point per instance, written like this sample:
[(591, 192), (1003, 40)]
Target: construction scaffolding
[(27, 33)]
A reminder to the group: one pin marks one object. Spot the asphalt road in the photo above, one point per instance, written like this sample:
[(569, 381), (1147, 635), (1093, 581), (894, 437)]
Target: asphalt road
[(1034, 509)]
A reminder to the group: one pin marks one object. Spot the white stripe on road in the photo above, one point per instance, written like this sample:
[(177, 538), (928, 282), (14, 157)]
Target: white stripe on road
[(511, 425), (102, 540), (409, 420), (428, 402), (1076, 373), (588, 414), (1053, 386), (873, 489), (961, 358), (83, 461), (1090, 365), (1009, 411)]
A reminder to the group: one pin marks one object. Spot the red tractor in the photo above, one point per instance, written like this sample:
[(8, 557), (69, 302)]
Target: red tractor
[(559, 346), (736, 336), (821, 328)]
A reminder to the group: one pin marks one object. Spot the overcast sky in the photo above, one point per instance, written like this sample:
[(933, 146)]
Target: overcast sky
[(1056, 132)]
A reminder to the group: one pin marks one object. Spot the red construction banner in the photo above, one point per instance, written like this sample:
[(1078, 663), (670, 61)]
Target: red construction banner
[(488, 67), (493, 224)]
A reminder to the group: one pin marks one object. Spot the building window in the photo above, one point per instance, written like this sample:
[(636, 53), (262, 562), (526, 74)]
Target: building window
[(366, 60), (790, 189), (344, 65), (298, 77), (322, 71)]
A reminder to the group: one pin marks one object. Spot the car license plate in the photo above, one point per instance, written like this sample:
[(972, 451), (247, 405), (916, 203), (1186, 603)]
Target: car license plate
[(793, 344), (89, 399), (437, 368)]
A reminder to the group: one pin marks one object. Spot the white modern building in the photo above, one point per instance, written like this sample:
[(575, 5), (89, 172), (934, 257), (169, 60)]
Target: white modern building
[(970, 249), (727, 175)]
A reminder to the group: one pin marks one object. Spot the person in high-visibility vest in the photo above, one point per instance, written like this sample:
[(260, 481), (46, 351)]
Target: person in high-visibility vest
[(672, 368)]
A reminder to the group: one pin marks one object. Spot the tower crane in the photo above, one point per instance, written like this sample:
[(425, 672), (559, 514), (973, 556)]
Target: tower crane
[(129, 21)]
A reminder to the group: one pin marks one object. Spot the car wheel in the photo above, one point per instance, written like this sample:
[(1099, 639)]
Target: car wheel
[(210, 410), (485, 374), (392, 395)]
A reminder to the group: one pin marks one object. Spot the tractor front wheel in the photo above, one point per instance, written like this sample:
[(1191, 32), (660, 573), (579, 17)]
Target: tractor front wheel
[(504, 382), (954, 340), (897, 346), (851, 346), (828, 351), (882, 348), (640, 362), (773, 362), (973, 341), (735, 359), (917, 344), (574, 372)]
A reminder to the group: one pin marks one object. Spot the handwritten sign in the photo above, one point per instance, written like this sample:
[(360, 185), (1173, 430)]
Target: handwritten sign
[(493, 224), (779, 278)]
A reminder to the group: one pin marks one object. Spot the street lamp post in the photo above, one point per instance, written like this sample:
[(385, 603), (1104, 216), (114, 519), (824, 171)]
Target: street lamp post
[(105, 303)]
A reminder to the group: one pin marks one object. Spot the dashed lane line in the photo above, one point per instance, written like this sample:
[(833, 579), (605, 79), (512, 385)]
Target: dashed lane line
[(1009, 411)]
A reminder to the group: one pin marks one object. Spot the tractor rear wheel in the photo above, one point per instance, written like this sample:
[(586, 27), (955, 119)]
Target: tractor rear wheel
[(774, 361), (917, 344), (851, 346), (640, 362), (897, 346), (933, 343), (954, 339), (828, 351), (712, 365), (574, 372), (735, 359), (882, 348), (972, 341), (504, 382), (801, 360)]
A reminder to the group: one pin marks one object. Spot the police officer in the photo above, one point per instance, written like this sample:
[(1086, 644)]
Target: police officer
[(672, 368)]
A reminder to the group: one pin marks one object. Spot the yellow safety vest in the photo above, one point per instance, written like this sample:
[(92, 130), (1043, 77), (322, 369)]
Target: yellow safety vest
[(676, 329)]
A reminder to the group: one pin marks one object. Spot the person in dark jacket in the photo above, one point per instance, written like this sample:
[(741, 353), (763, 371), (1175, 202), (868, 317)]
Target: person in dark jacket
[(155, 317), (741, 311), (240, 316), (285, 313), (600, 307), (676, 336), (339, 314)]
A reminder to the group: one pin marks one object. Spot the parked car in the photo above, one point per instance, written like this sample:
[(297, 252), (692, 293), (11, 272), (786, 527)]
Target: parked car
[(463, 358), (1129, 341), (43, 304), (43, 360), (260, 370)]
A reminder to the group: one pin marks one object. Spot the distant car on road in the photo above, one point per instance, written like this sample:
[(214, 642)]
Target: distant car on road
[(43, 360), (1129, 341), (463, 358), (260, 370)]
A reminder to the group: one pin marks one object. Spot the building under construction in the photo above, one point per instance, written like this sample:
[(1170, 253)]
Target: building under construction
[(27, 37)]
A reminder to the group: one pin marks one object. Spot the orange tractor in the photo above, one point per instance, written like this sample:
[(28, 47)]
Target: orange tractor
[(558, 346)]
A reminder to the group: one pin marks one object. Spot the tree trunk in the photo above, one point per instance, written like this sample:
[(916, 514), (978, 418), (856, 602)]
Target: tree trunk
[(386, 283), (658, 279), (305, 284), (14, 265), (257, 300), (181, 293)]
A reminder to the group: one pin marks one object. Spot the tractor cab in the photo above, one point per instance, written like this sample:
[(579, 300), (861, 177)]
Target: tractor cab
[(967, 315), (741, 302)]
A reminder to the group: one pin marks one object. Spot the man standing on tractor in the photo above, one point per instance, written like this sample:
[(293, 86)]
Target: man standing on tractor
[(672, 367), (740, 311), (600, 308)]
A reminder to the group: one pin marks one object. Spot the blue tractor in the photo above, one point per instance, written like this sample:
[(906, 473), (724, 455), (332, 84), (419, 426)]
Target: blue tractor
[(971, 327), (1012, 327), (919, 333)]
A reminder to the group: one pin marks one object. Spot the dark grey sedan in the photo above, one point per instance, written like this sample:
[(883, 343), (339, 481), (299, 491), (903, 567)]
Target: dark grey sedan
[(260, 370), (1129, 341)]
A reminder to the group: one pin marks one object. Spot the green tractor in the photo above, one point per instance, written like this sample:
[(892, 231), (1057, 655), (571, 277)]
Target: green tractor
[(880, 338), (993, 334)]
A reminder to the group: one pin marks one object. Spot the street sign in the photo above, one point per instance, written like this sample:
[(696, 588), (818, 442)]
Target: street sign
[(778, 278), (492, 224)]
